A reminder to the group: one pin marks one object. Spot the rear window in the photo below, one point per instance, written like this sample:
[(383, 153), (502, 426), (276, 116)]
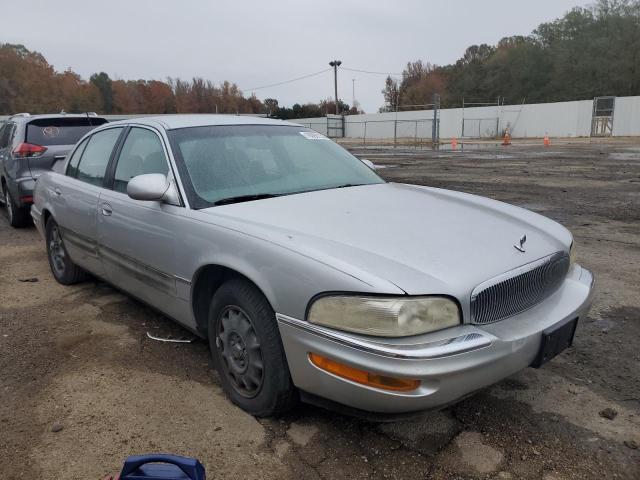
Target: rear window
[(60, 131)]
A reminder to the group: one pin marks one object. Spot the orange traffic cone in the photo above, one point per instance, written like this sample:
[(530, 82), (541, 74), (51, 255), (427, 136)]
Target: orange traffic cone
[(507, 138), (454, 143), (547, 142)]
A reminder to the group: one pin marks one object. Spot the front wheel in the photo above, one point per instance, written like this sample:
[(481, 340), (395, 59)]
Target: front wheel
[(64, 270), (247, 350)]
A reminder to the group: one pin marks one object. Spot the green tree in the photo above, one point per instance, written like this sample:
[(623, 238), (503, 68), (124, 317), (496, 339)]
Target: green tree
[(104, 85), (588, 52)]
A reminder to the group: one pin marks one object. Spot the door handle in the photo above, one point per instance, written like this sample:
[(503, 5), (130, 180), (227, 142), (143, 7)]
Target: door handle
[(106, 209), (57, 191)]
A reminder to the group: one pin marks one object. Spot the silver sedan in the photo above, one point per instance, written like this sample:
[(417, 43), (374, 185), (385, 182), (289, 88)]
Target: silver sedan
[(311, 277)]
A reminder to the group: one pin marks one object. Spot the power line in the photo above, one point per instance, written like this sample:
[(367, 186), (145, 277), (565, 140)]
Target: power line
[(369, 71), (286, 81)]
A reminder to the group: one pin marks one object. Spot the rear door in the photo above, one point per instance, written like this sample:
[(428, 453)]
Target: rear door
[(58, 135), (77, 194), (6, 134), (139, 239)]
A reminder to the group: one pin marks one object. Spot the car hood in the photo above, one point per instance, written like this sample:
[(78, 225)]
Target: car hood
[(423, 240)]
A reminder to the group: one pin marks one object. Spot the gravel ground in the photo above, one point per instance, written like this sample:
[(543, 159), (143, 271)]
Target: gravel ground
[(82, 386)]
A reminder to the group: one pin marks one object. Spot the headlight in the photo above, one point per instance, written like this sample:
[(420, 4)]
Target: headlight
[(572, 253), (385, 316)]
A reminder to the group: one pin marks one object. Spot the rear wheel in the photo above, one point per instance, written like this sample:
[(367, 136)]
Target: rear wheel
[(247, 350), (17, 216), (64, 270)]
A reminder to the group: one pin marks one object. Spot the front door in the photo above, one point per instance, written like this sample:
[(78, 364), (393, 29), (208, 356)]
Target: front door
[(138, 239), (77, 195)]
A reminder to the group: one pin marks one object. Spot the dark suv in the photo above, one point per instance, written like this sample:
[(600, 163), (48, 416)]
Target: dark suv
[(30, 145)]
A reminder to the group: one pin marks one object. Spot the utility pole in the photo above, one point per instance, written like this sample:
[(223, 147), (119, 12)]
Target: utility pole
[(353, 92), (335, 64)]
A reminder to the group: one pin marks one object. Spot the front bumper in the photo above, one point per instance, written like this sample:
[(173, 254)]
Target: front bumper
[(451, 363)]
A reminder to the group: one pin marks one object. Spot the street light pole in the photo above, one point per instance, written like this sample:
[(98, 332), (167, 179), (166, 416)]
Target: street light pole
[(335, 64), (353, 92)]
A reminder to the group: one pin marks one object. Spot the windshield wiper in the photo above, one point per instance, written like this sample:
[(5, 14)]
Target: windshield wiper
[(245, 198), (351, 185)]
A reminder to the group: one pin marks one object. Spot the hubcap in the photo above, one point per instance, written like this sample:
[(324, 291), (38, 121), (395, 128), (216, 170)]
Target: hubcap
[(239, 349), (56, 251)]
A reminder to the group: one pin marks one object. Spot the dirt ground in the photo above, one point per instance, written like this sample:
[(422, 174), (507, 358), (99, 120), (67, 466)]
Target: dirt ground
[(82, 387)]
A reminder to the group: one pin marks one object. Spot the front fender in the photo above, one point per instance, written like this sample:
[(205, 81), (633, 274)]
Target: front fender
[(287, 278)]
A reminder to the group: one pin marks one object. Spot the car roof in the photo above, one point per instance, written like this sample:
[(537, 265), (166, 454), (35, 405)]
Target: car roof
[(170, 122)]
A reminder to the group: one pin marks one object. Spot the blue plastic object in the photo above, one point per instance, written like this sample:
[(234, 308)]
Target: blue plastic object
[(162, 467)]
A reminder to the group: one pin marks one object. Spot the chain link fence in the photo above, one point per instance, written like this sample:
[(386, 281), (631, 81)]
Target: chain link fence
[(418, 132), (480, 127)]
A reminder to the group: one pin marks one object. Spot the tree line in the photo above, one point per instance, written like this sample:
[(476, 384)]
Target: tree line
[(28, 83), (589, 52)]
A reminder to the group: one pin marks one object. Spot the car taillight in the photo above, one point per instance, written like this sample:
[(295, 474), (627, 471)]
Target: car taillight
[(26, 150)]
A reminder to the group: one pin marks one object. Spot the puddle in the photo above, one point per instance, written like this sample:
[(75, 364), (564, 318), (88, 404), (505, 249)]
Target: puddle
[(625, 155)]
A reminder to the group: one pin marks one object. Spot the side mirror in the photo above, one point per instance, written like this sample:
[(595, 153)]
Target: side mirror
[(150, 187), (369, 163)]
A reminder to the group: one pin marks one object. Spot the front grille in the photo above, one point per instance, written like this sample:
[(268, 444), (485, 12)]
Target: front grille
[(518, 290)]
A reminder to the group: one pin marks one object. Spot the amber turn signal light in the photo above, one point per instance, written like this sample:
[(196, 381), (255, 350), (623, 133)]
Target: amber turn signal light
[(363, 377)]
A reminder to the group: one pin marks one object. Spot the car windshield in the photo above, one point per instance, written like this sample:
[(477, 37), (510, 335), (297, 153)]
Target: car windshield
[(225, 164)]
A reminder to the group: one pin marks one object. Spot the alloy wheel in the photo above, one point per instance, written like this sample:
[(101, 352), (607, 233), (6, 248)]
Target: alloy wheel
[(56, 251), (239, 348), (8, 205)]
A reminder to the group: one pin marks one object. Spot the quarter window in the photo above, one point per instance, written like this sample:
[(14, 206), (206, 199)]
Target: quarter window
[(141, 153), (72, 168), (5, 135), (95, 158)]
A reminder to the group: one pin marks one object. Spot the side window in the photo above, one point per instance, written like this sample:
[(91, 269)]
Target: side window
[(72, 167), (141, 153), (95, 158)]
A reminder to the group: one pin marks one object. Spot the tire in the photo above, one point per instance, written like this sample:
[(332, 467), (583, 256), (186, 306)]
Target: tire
[(247, 350), (18, 217), (63, 269)]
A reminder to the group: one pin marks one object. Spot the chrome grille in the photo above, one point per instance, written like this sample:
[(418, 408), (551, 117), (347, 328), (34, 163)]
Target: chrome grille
[(518, 290)]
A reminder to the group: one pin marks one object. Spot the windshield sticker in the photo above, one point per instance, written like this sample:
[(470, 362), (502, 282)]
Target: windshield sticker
[(313, 136), (51, 132)]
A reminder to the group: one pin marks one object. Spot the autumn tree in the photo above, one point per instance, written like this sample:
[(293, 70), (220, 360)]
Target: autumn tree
[(74, 94), (28, 83)]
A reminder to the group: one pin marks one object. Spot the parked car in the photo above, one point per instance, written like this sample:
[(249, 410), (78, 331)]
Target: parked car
[(310, 275), (30, 145)]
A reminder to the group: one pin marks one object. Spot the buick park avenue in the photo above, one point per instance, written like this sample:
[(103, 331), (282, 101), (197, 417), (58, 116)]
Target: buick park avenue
[(312, 278)]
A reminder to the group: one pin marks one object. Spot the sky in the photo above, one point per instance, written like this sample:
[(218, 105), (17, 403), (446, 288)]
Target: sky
[(261, 42)]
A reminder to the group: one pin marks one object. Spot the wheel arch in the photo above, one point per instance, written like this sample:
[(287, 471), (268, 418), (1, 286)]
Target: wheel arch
[(46, 215), (206, 282)]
